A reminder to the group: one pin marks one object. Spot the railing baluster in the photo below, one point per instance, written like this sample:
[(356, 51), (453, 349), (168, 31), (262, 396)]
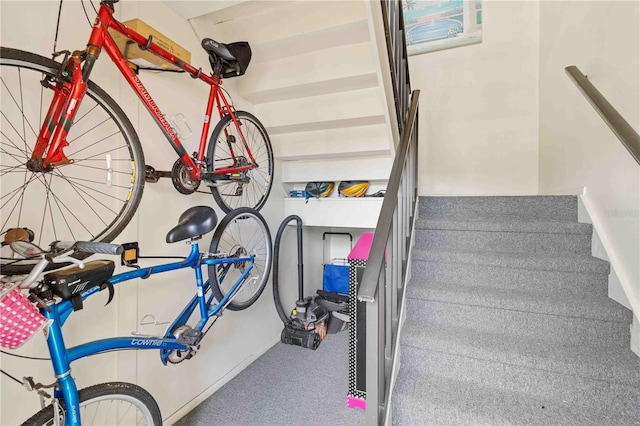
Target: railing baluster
[(388, 343)]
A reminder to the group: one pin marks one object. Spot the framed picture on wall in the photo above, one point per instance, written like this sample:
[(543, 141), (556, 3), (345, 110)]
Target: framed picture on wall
[(441, 24)]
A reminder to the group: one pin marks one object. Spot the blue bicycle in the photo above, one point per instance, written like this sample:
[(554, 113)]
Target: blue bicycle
[(238, 263)]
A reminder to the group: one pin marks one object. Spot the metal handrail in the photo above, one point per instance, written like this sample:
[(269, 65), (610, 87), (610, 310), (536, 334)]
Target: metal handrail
[(620, 127), (369, 283)]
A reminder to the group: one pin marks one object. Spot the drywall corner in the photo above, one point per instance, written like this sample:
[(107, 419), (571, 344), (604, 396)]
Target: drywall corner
[(635, 335)]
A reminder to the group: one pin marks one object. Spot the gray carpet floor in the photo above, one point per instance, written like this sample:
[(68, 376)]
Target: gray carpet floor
[(288, 385)]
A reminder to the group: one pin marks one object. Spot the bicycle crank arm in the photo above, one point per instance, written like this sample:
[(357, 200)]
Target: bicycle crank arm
[(152, 175), (212, 177)]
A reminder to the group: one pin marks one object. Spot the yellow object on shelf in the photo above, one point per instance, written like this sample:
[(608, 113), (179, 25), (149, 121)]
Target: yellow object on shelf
[(144, 58)]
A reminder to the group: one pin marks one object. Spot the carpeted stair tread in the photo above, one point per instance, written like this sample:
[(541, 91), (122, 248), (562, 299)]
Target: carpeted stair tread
[(551, 299), (531, 208), (498, 242), (542, 227), (445, 389), (510, 278), (550, 262), (554, 329), (611, 363)]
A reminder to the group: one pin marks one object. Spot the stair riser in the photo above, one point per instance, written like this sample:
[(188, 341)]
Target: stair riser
[(561, 208), (353, 168), (509, 278), (358, 104), (354, 60), (545, 329), (544, 227), (365, 141), (507, 242)]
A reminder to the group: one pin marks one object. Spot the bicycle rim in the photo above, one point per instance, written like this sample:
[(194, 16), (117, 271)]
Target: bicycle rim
[(226, 149), (109, 404), (242, 232), (92, 198)]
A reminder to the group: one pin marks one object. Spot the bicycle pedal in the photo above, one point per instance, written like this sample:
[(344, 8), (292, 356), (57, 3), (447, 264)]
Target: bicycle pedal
[(190, 337), (152, 175), (239, 177)]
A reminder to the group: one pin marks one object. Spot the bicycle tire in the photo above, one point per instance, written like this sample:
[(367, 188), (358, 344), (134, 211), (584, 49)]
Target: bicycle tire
[(234, 193), (98, 406), (91, 199), (241, 232)]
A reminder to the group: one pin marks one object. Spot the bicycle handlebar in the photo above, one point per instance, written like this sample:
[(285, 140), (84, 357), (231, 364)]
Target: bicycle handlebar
[(68, 248)]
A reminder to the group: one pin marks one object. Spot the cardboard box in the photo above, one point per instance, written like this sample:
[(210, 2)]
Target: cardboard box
[(144, 58)]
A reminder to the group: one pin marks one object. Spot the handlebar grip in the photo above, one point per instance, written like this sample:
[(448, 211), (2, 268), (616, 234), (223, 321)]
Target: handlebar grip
[(62, 245), (96, 247)]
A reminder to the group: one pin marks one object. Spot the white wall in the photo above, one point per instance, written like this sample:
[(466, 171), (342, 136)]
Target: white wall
[(238, 337), (577, 149), (96, 321), (479, 108)]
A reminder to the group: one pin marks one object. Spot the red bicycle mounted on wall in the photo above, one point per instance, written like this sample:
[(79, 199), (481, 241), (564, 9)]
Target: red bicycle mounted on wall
[(72, 166)]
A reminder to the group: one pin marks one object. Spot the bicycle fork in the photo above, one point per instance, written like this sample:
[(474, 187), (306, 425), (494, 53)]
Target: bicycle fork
[(52, 139)]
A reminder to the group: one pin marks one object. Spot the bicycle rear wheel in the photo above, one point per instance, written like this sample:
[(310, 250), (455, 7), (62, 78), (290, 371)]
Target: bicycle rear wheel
[(115, 403), (242, 232), (92, 198), (226, 150)]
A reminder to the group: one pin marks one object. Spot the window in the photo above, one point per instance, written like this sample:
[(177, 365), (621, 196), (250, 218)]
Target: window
[(442, 24)]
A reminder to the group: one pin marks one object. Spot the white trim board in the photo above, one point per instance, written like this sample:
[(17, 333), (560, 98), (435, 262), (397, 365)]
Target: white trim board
[(635, 335), (620, 285)]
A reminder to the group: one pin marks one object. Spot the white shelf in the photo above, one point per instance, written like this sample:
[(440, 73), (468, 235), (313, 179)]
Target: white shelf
[(336, 212)]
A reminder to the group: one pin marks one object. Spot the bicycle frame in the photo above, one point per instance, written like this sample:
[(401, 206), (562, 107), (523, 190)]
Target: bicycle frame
[(62, 357), (68, 96)]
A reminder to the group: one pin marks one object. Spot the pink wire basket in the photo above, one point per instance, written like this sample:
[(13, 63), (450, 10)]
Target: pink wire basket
[(19, 319)]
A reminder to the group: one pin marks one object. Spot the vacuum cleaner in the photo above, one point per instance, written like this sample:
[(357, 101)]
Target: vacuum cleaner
[(307, 324)]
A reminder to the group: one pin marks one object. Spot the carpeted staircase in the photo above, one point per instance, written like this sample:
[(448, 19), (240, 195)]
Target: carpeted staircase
[(508, 320)]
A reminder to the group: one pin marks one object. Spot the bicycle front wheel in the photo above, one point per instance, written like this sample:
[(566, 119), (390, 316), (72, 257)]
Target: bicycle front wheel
[(113, 403), (243, 232), (227, 150), (94, 195)]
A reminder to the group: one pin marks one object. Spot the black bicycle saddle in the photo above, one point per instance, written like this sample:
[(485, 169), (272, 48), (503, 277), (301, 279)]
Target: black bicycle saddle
[(194, 222), (219, 49), (228, 60)]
